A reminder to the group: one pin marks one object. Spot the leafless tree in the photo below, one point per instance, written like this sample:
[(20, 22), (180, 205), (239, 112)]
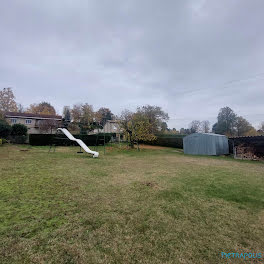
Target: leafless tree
[(205, 126), (49, 125)]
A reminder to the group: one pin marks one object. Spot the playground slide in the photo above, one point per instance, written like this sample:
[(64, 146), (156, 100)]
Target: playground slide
[(79, 141)]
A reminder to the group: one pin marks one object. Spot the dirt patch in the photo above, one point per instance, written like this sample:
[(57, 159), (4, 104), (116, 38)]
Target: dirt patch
[(150, 184), (143, 146)]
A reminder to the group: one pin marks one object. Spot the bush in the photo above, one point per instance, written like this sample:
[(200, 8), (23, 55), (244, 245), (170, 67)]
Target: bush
[(174, 141), (19, 130), (61, 140), (18, 139), (3, 141), (5, 129)]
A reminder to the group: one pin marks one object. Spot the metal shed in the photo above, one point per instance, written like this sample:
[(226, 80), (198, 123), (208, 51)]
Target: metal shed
[(205, 144)]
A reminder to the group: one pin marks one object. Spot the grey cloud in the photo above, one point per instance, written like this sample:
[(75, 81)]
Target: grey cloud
[(176, 54)]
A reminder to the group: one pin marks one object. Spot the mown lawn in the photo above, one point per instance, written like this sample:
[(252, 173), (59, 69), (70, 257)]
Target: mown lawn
[(152, 206)]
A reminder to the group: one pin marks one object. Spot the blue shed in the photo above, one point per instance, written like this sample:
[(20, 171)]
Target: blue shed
[(205, 144)]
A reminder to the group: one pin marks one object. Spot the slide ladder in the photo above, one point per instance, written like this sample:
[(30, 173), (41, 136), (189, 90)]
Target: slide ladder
[(79, 141)]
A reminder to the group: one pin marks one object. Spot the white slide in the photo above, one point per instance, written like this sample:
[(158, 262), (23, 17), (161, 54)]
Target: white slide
[(79, 141)]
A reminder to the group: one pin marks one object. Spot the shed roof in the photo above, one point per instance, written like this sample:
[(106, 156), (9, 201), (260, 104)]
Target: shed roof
[(207, 134)]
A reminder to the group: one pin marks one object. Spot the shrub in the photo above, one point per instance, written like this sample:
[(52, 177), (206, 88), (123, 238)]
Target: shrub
[(18, 139), (19, 130), (5, 129), (4, 140)]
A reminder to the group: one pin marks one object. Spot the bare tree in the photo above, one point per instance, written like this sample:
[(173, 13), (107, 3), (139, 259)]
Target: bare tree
[(205, 126), (20, 108), (195, 126), (48, 125)]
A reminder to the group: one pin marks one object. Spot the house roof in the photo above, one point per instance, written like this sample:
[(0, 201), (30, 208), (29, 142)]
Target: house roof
[(30, 115)]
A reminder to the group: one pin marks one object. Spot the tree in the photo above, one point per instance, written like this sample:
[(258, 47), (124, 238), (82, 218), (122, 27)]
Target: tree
[(205, 126), (76, 113), (243, 127), (87, 114), (262, 126), (136, 127), (261, 129), (126, 125), (7, 101), (5, 129), (48, 125), (67, 113), (87, 122), (226, 122), (19, 130), (164, 126), (155, 116), (43, 108), (195, 126), (84, 116), (20, 108), (103, 114)]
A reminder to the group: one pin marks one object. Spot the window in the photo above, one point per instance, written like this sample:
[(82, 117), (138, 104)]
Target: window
[(13, 120), (28, 121)]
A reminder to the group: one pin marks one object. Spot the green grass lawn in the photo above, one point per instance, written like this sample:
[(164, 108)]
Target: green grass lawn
[(152, 206)]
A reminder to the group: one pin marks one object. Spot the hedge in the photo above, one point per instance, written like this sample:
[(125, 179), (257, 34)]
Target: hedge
[(62, 140), (22, 139), (174, 141)]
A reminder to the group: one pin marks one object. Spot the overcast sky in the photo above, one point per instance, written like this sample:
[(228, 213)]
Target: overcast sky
[(189, 57)]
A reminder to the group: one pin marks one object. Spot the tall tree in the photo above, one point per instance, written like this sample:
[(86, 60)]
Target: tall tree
[(7, 100), (103, 114), (262, 126), (243, 127), (87, 114), (205, 126), (67, 113), (43, 108), (136, 127), (164, 126), (195, 126), (20, 108), (226, 122), (126, 124), (155, 116), (76, 112)]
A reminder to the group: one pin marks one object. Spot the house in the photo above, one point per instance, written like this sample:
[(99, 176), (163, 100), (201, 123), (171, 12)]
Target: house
[(113, 127), (36, 123), (205, 144)]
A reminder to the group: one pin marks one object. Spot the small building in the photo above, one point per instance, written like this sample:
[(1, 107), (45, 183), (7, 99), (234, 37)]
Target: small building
[(113, 127), (34, 122), (248, 147), (205, 144)]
